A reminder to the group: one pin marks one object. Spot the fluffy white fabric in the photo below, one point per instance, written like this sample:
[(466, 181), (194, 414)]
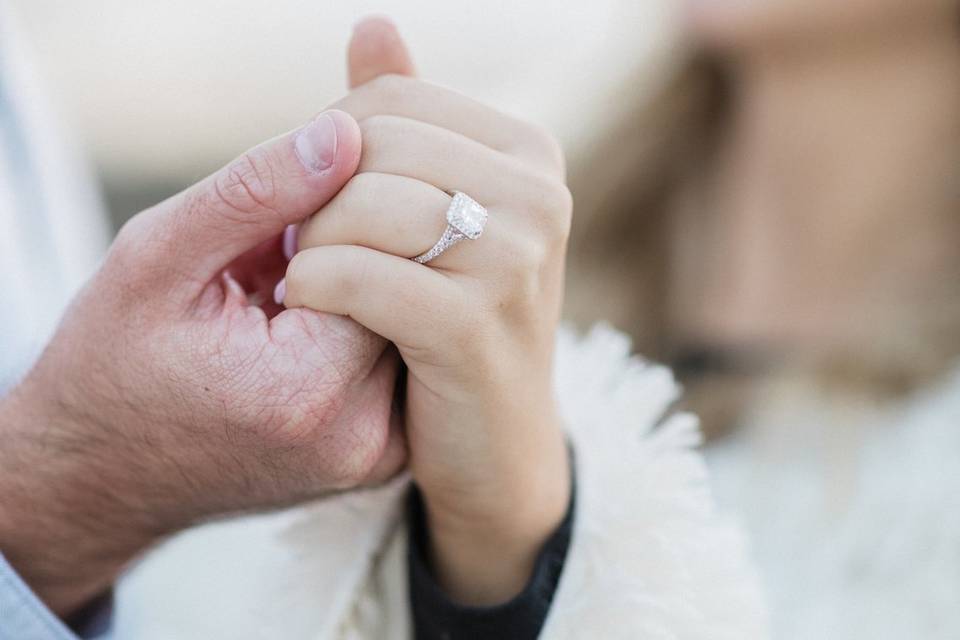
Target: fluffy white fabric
[(650, 558), (854, 511)]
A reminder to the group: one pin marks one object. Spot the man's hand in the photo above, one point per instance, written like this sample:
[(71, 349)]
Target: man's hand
[(175, 389)]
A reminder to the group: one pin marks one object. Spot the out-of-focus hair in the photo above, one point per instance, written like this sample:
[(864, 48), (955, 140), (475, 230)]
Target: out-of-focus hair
[(655, 157), (625, 184)]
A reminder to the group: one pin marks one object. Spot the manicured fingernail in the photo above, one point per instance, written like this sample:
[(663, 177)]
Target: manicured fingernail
[(280, 292), (316, 144), (290, 240)]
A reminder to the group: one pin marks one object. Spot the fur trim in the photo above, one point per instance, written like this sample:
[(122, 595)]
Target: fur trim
[(649, 557), (286, 575), (856, 520)]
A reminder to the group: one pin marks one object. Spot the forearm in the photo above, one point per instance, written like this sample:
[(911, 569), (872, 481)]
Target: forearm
[(64, 524)]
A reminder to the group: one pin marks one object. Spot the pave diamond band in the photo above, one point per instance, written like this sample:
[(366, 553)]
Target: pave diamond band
[(466, 219), (449, 238)]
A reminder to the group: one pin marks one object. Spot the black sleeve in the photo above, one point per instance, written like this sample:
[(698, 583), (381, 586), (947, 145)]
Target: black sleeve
[(436, 617)]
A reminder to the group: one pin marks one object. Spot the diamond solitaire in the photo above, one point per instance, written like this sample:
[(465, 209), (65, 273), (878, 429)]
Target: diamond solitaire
[(465, 220), (466, 215)]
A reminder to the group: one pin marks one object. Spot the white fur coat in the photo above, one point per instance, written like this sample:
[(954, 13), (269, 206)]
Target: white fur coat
[(650, 557), (853, 506)]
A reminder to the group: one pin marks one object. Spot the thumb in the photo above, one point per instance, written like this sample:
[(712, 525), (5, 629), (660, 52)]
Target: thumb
[(195, 234), (376, 49)]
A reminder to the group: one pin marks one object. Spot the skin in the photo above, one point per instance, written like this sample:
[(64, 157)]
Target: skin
[(475, 327), (833, 193), (168, 396), (175, 390)]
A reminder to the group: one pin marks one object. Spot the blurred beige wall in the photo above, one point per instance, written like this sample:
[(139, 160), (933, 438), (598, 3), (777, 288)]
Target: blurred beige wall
[(161, 92)]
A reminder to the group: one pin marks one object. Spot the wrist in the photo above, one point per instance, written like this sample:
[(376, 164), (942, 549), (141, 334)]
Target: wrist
[(64, 525), (483, 547)]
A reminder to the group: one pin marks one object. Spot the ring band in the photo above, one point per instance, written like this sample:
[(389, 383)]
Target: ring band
[(466, 219)]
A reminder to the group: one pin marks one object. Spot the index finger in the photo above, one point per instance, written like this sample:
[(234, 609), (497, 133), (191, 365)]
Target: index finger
[(376, 49)]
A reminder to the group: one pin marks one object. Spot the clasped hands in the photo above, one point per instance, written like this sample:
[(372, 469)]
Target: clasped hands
[(185, 383)]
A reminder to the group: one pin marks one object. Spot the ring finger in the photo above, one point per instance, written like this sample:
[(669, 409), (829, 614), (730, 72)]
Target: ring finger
[(394, 214)]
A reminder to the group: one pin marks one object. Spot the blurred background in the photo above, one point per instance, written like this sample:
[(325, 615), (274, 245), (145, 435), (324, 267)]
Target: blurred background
[(767, 199), (163, 93)]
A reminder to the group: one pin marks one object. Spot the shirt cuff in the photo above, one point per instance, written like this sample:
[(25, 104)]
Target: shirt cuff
[(23, 616), (436, 617)]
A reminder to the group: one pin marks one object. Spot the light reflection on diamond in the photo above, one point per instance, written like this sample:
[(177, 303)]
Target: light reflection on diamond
[(466, 215)]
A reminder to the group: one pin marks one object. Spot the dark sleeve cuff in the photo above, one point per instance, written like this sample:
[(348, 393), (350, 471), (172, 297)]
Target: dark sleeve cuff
[(436, 617), (95, 620)]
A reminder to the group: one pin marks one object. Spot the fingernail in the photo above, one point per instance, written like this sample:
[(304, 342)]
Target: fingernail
[(280, 292), (316, 144), (290, 240)]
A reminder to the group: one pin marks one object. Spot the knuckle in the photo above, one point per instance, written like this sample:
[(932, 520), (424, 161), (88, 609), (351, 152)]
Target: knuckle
[(248, 184), (532, 262), (546, 146), (552, 205), (532, 254), (289, 424), (133, 245), (520, 302), (128, 238), (390, 87)]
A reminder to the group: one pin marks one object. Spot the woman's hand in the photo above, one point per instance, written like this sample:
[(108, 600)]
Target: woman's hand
[(476, 327)]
